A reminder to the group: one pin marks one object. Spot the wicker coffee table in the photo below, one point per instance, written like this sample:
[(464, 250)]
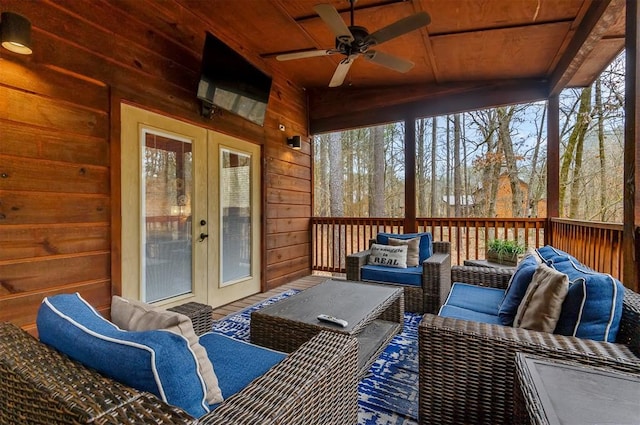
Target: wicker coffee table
[(375, 314)]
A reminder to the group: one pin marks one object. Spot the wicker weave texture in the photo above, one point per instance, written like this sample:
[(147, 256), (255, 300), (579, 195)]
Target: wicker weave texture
[(41, 386), (436, 278), (467, 368), (200, 315), (285, 334), (314, 385), (481, 276)]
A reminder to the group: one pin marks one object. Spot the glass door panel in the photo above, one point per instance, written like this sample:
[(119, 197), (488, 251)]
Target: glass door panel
[(235, 211), (167, 182)]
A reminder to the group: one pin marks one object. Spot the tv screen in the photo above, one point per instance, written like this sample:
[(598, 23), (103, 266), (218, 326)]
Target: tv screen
[(230, 82)]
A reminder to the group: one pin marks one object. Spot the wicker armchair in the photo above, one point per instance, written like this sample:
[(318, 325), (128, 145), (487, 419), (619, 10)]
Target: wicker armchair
[(436, 281), (467, 368), (316, 384)]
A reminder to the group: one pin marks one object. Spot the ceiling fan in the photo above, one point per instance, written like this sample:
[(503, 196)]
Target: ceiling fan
[(354, 41)]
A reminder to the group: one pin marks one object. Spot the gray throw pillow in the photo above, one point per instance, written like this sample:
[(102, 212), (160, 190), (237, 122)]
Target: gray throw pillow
[(413, 249), (134, 315), (542, 303)]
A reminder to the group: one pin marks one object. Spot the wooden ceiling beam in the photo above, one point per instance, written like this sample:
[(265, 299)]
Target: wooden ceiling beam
[(592, 28), (333, 110)]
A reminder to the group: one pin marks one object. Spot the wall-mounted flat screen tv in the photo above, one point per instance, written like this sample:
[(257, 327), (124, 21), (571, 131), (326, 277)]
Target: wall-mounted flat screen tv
[(230, 82)]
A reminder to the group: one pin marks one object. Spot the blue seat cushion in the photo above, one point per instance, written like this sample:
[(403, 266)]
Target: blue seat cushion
[(476, 298), (156, 361), (237, 363), (466, 314), (426, 242), (516, 289), (593, 306), (411, 276)]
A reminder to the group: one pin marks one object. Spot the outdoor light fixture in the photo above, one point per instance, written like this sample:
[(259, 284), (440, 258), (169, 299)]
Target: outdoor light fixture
[(15, 33), (294, 142)]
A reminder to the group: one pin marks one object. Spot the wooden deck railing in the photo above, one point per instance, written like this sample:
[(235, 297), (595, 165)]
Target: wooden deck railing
[(597, 245)]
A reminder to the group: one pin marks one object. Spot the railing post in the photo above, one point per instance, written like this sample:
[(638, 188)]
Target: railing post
[(553, 163), (410, 225), (631, 209)]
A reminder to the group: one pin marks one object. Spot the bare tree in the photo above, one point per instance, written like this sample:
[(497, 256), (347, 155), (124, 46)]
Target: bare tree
[(421, 167), (336, 175), (505, 114), (457, 177), (534, 193), (434, 144), (601, 151), (574, 146), (377, 176)]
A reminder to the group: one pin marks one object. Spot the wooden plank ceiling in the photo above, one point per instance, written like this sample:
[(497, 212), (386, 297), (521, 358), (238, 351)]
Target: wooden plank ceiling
[(469, 43)]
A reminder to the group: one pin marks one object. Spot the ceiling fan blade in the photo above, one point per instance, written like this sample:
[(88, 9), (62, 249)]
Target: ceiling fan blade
[(388, 61), (398, 28), (334, 21), (304, 54), (341, 71)]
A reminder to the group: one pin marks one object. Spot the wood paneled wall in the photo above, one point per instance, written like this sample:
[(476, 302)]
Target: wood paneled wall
[(59, 130)]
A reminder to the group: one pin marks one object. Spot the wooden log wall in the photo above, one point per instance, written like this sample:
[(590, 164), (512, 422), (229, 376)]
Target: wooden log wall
[(59, 143)]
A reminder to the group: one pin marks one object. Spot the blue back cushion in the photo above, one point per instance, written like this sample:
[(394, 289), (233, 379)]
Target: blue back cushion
[(426, 242), (593, 306), (237, 363), (551, 255), (517, 288), (158, 361)]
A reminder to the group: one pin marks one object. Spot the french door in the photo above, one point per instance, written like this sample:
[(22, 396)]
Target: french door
[(190, 212)]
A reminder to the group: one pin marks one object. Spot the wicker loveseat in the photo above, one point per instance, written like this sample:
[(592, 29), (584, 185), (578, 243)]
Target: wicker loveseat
[(467, 368), (435, 280), (38, 385)]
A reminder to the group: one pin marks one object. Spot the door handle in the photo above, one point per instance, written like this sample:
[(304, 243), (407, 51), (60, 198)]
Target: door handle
[(203, 236)]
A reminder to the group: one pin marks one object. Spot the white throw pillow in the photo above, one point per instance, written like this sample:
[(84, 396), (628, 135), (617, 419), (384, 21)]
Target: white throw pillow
[(389, 256), (134, 315)]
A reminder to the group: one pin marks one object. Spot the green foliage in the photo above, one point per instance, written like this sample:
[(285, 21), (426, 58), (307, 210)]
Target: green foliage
[(506, 248)]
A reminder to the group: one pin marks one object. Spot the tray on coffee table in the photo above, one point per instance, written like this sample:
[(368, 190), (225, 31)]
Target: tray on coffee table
[(375, 314)]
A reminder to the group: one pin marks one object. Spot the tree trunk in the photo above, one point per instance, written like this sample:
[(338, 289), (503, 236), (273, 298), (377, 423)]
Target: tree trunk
[(457, 177), (465, 173), (504, 140), (421, 167), (578, 132), (448, 168), (434, 193), (601, 150), (377, 204), (532, 193), (336, 175)]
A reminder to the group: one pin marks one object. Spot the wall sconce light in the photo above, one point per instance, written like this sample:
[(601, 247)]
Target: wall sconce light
[(15, 33), (294, 142)]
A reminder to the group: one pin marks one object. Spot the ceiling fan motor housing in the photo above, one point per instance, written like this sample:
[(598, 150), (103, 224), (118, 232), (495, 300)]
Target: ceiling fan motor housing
[(358, 44)]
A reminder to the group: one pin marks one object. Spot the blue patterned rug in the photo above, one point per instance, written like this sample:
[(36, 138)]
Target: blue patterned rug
[(388, 394)]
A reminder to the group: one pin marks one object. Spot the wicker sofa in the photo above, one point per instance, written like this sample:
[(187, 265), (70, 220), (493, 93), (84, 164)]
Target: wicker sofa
[(38, 385), (467, 368), (436, 282)]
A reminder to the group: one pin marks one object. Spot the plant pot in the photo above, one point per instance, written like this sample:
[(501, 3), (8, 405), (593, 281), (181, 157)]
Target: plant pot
[(506, 259)]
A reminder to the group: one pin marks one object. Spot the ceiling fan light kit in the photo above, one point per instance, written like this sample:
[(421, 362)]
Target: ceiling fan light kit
[(354, 41)]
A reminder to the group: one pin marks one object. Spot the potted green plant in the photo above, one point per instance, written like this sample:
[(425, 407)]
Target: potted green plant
[(504, 251)]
